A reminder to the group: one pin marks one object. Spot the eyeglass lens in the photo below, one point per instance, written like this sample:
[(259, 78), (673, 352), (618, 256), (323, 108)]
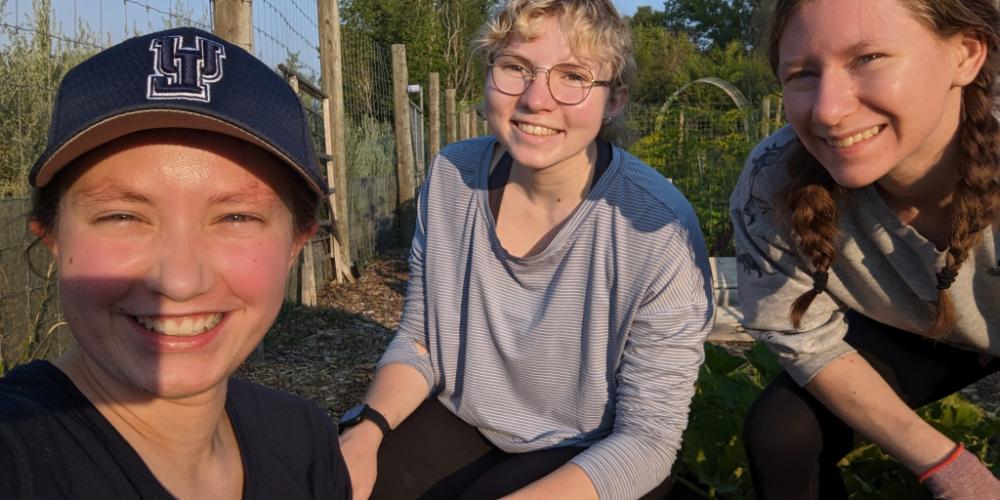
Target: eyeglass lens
[(568, 83)]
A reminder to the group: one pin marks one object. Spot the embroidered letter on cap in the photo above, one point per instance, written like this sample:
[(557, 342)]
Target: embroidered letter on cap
[(184, 71)]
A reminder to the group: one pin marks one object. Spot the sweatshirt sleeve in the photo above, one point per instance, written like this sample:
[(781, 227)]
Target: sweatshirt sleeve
[(656, 376), (412, 331), (771, 275)]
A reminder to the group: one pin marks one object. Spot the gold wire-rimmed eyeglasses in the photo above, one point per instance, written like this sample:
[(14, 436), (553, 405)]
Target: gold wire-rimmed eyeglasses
[(568, 84)]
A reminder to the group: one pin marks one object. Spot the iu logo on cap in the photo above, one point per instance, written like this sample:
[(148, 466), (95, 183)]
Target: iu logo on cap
[(184, 70)]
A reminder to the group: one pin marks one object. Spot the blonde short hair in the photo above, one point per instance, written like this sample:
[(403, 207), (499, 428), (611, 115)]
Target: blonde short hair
[(597, 32)]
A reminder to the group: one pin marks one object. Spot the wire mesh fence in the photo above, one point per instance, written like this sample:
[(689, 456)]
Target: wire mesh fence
[(40, 40), (370, 145), (701, 147), (29, 301), (286, 32)]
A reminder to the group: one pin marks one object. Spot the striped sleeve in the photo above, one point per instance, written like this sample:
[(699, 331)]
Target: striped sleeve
[(656, 378), (412, 329)]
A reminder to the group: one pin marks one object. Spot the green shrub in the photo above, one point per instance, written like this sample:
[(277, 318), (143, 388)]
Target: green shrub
[(712, 461), (371, 148), (702, 151), (31, 68)]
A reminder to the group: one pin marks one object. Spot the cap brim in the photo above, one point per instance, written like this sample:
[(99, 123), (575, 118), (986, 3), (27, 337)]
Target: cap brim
[(124, 124)]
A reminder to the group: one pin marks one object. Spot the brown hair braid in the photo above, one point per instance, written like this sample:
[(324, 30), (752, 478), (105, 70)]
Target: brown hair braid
[(811, 195), (812, 213)]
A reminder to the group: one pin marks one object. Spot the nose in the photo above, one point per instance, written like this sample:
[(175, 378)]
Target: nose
[(835, 97), (180, 270), (537, 97)]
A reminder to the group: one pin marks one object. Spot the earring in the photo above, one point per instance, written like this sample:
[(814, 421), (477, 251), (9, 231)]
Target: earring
[(606, 120)]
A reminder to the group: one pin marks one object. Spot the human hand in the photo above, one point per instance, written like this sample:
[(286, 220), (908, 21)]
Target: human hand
[(359, 445), (961, 476)]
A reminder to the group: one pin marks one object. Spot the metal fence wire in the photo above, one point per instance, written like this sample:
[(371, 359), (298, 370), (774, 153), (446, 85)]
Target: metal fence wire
[(40, 40), (701, 147), (370, 145), (30, 318)]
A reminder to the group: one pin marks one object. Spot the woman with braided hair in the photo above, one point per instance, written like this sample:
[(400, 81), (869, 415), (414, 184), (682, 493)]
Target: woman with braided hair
[(867, 235)]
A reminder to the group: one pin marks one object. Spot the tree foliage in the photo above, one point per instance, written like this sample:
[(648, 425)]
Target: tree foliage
[(665, 61), (695, 134), (437, 34), (717, 23)]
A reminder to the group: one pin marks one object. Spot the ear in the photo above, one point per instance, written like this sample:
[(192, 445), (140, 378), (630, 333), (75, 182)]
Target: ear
[(46, 237), (300, 242), (617, 100), (970, 55)]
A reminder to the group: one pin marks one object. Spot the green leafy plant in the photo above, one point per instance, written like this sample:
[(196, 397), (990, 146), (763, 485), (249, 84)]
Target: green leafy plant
[(371, 148), (701, 149), (712, 455), (713, 464)]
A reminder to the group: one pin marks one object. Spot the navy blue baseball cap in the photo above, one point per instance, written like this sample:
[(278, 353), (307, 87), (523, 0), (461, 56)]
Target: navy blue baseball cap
[(178, 78)]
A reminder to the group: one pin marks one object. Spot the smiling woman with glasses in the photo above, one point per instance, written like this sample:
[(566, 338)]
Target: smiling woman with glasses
[(559, 291)]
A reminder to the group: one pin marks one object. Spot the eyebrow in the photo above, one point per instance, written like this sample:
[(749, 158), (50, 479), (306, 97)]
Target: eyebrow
[(859, 46), (116, 192), (246, 196), (574, 62), (112, 191)]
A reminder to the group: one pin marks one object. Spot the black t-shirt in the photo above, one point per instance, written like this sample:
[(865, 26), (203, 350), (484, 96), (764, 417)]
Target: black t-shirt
[(55, 444)]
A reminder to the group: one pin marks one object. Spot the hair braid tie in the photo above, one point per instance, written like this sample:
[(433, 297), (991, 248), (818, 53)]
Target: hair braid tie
[(945, 278), (819, 281)]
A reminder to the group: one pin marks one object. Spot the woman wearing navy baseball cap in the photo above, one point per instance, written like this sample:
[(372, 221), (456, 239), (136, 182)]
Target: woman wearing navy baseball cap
[(176, 190)]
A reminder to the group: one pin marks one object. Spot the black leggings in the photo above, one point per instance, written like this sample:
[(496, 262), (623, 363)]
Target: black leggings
[(794, 443), (434, 454)]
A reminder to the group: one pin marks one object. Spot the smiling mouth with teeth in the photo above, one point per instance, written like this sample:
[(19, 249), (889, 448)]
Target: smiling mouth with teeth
[(186, 326), (536, 129), (856, 138)]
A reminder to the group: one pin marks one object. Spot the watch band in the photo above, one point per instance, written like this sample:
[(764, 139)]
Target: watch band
[(378, 419), (359, 413)]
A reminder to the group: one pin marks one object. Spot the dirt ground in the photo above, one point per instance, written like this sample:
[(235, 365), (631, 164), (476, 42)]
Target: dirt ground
[(327, 353)]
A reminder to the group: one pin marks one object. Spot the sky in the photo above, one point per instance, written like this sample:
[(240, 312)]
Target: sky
[(282, 26), (628, 7)]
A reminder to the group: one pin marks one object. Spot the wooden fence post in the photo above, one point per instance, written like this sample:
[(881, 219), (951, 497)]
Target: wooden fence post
[(473, 121), (777, 112), (420, 147), (434, 117), (233, 21), (463, 122), (331, 67), (681, 133), (307, 275), (765, 116), (450, 121), (405, 206), (310, 293)]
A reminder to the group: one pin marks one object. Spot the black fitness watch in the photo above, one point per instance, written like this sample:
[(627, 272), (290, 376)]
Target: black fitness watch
[(355, 415)]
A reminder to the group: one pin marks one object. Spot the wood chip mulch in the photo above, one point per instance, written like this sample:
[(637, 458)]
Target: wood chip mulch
[(327, 353)]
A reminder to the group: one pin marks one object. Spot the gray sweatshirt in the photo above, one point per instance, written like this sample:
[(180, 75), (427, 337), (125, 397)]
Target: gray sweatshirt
[(594, 342), (884, 269)]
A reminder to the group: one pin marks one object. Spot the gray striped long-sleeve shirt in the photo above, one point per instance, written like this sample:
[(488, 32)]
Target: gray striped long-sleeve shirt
[(596, 341)]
